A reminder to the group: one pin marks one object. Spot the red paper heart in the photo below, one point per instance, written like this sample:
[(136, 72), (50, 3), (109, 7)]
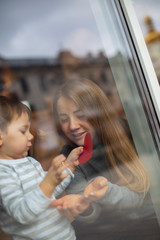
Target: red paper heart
[(87, 150)]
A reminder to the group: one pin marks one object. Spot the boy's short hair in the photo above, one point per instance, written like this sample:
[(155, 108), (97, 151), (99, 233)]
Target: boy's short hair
[(9, 108)]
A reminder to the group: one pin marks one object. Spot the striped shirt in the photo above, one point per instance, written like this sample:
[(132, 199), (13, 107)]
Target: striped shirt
[(25, 212)]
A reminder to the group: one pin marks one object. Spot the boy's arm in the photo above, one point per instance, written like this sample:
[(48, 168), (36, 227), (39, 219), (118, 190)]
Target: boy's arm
[(25, 208), (62, 186), (22, 208)]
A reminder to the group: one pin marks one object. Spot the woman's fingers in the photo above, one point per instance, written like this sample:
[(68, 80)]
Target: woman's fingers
[(96, 189), (71, 204), (90, 197), (69, 210)]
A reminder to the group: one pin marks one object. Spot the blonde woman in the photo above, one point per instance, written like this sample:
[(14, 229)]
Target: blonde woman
[(80, 106)]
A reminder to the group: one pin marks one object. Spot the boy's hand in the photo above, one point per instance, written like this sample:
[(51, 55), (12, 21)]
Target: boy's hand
[(96, 189), (55, 172), (72, 159), (54, 175)]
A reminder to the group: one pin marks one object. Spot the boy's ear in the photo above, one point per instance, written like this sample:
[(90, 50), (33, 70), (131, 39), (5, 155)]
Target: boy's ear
[(1, 139)]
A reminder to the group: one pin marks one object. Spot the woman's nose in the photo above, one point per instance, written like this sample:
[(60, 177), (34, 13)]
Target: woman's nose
[(74, 124)]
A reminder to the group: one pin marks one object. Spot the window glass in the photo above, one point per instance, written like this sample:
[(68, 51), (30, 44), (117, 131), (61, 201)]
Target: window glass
[(126, 80), (148, 17), (48, 43)]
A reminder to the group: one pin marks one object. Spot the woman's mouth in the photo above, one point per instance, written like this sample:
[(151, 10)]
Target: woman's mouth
[(78, 135)]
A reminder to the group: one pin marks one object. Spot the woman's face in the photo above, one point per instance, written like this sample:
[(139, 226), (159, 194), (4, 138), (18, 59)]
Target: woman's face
[(73, 122)]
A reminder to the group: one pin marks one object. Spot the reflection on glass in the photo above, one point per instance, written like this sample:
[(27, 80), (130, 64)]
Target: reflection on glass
[(130, 98), (148, 16), (81, 39)]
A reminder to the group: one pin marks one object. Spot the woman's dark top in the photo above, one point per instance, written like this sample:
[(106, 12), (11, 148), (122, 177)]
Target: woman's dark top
[(120, 214)]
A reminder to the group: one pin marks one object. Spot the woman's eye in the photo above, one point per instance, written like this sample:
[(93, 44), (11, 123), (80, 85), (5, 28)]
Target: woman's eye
[(82, 116), (64, 120)]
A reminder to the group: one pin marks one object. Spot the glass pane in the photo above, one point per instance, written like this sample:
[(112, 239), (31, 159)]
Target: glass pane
[(125, 79), (148, 16), (48, 43)]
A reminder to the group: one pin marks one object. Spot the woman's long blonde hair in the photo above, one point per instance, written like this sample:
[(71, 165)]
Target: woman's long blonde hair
[(125, 167)]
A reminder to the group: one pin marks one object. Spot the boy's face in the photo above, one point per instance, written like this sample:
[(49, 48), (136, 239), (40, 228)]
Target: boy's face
[(16, 140)]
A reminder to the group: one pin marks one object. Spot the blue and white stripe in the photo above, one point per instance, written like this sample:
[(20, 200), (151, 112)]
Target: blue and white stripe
[(25, 212)]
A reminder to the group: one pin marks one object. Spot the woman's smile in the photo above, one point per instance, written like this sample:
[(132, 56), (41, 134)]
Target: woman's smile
[(73, 121), (78, 135)]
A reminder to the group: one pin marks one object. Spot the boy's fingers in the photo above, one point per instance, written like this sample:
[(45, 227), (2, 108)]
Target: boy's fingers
[(76, 163), (63, 175), (57, 161), (77, 152), (80, 150), (62, 168), (55, 203)]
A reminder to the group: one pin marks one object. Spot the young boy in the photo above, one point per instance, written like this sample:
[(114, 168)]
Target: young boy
[(26, 191)]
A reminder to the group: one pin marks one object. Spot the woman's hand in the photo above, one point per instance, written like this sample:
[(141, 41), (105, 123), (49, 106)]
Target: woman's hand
[(71, 205), (96, 189)]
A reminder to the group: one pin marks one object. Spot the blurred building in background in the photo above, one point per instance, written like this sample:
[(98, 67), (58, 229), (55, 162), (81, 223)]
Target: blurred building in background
[(152, 39), (36, 80)]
